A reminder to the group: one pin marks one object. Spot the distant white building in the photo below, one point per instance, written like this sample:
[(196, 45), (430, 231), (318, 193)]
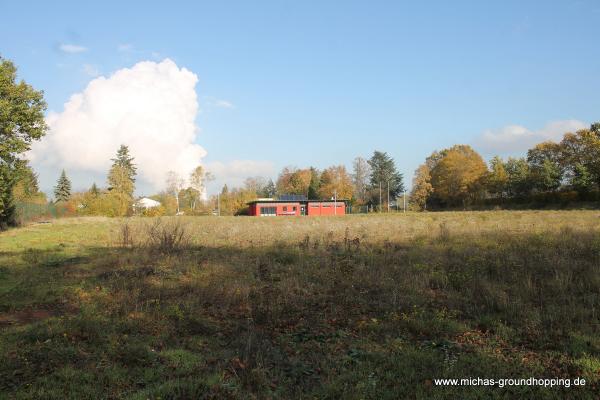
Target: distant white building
[(145, 203)]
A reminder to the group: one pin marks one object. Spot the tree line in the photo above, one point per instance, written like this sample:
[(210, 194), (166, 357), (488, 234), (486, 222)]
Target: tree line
[(456, 177), (563, 171), (373, 182)]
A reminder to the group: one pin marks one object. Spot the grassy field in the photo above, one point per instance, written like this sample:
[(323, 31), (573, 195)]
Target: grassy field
[(355, 307)]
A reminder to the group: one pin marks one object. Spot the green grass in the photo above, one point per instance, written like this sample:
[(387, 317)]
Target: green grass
[(356, 307)]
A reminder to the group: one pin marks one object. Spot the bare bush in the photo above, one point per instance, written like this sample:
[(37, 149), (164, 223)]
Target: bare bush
[(167, 236)]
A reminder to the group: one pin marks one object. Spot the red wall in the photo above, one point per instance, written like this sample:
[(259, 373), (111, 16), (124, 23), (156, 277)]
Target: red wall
[(255, 208), (312, 208), (326, 208)]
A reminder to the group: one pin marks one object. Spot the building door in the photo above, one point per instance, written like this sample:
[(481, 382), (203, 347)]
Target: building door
[(302, 210)]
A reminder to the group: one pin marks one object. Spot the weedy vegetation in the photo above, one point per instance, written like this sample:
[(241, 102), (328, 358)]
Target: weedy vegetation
[(354, 307)]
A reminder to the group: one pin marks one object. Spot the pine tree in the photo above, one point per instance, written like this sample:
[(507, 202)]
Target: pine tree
[(121, 180), (269, 190), (62, 190), (384, 175), (125, 161), (94, 191)]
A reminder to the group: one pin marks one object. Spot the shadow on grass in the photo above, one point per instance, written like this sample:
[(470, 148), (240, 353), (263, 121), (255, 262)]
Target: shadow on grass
[(319, 318)]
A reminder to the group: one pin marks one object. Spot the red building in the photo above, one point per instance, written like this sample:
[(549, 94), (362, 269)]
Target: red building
[(280, 208)]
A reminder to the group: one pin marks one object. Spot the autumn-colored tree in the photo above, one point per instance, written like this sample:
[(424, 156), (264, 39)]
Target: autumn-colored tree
[(422, 188), (234, 201), (497, 178), (335, 181), (457, 176), (294, 181), (582, 148), (26, 189)]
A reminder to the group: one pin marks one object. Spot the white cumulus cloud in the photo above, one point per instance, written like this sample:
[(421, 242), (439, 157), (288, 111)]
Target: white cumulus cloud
[(72, 48), (150, 107), (517, 138)]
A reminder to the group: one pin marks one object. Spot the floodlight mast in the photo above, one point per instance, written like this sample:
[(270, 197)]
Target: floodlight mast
[(335, 202)]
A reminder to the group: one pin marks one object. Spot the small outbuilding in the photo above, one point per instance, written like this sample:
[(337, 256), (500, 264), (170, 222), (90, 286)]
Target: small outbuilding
[(296, 207)]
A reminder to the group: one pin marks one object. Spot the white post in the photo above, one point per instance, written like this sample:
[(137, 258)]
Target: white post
[(388, 197), (335, 202), (380, 203)]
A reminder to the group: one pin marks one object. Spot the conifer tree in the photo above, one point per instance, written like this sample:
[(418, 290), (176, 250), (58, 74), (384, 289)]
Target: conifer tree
[(94, 191), (121, 180), (384, 175), (62, 190)]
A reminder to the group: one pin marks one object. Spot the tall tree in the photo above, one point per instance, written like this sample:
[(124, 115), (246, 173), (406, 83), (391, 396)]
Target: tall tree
[(62, 190), (125, 160), (582, 148), (294, 181), (255, 184), (21, 122), (519, 182), (360, 179), (314, 185), (545, 165), (546, 177), (335, 182), (422, 188), (457, 176), (497, 179), (385, 178), (94, 191), (198, 180), (582, 180), (269, 190), (175, 185), (121, 181)]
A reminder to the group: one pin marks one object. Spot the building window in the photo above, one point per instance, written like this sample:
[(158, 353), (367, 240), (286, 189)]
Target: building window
[(294, 208), (326, 205), (268, 211), (284, 208)]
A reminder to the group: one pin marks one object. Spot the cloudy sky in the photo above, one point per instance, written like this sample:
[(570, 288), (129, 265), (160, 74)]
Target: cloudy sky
[(246, 88)]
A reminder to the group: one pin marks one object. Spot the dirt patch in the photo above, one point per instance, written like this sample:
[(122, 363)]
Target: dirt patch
[(29, 316)]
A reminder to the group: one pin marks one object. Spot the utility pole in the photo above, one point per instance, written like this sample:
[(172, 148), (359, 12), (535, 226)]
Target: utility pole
[(380, 204), (388, 197), (335, 202)]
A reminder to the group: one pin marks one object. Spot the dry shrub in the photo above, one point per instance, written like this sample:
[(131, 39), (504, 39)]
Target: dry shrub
[(167, 236), (163, 235)]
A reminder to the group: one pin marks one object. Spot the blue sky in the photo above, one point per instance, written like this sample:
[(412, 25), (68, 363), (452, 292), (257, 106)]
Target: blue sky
[(321, 82)]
